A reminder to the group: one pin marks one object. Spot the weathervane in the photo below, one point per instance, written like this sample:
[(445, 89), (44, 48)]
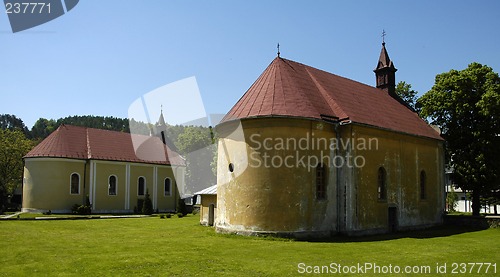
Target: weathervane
[(278, 49), (383, 36)]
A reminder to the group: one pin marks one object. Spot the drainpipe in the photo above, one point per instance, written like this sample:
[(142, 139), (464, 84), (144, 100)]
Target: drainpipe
[(337, 173), (175, 197), (337, 125), (22, 184)]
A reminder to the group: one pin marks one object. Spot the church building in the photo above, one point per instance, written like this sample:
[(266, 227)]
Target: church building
[(321, 155), (113, 169)]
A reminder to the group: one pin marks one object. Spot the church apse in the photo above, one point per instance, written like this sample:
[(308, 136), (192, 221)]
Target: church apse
[(322, 154)]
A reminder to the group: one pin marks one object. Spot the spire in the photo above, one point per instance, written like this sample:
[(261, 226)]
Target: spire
[(161, 120), (161, 126), (385, 71), (384, 60)]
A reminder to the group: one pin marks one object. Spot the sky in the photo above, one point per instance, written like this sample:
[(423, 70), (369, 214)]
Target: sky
[(101, 56)]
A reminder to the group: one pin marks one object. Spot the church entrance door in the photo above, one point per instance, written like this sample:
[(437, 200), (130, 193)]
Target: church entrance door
[(211, 214), (393, 219)]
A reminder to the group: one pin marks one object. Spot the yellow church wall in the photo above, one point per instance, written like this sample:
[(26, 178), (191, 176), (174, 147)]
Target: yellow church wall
[(269, 197), (403, 157), (136, 171), (206, 201), (166, 203), (47, 184), (264, 198), (102, 200)]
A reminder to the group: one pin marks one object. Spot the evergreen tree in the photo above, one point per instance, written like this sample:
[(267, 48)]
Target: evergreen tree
[(181, 207), (147, 206)]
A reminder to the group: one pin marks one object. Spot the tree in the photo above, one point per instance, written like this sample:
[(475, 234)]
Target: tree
[(181, 207), (43, 128), (147, 206), (409, 96), (452, 200), (491, 199), (98, 122), (13, 146), (465, 104), (196, 145), (11, 122)]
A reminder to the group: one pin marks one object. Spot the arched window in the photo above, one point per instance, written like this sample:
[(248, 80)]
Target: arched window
[(167, 187), (382, 186), (320, 182), (141, 186), (75, 183), (423, 180), (112, 185)]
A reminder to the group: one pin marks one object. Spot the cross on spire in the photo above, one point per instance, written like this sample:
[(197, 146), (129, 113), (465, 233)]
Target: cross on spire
[(383, 36), (278, 50)]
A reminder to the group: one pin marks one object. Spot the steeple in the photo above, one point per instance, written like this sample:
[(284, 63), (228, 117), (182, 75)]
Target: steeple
[(161, 120), (385, 72), (161, 127)]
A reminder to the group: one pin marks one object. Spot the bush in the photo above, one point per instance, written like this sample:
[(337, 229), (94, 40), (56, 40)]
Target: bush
[(181, 207), (74, 209), (162, 216), (180, 215), (452, 200), (81, 209), (147, 207), (169, 215), (138, 208), (196, 210)]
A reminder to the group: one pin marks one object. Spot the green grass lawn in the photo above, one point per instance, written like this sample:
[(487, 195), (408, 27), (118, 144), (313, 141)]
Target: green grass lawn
[(181, 247)]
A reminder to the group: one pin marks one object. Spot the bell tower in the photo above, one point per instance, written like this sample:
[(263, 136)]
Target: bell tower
[(385, 72), (161, 128)]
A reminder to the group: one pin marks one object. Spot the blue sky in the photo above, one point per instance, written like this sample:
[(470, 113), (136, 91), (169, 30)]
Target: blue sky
[(102, 55)]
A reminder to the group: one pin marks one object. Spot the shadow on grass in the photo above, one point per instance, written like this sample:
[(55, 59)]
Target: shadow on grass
[(433, 232)]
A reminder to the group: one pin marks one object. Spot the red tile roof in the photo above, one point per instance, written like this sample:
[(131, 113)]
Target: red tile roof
[(88, 143), (291, 89)]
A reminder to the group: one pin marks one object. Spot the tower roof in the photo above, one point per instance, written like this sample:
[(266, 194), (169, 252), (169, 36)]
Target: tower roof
[(83, 143), (384, 61), (161, 120), (291, 89)]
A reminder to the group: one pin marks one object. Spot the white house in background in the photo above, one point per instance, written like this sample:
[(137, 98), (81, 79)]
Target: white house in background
[(465, 204)]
